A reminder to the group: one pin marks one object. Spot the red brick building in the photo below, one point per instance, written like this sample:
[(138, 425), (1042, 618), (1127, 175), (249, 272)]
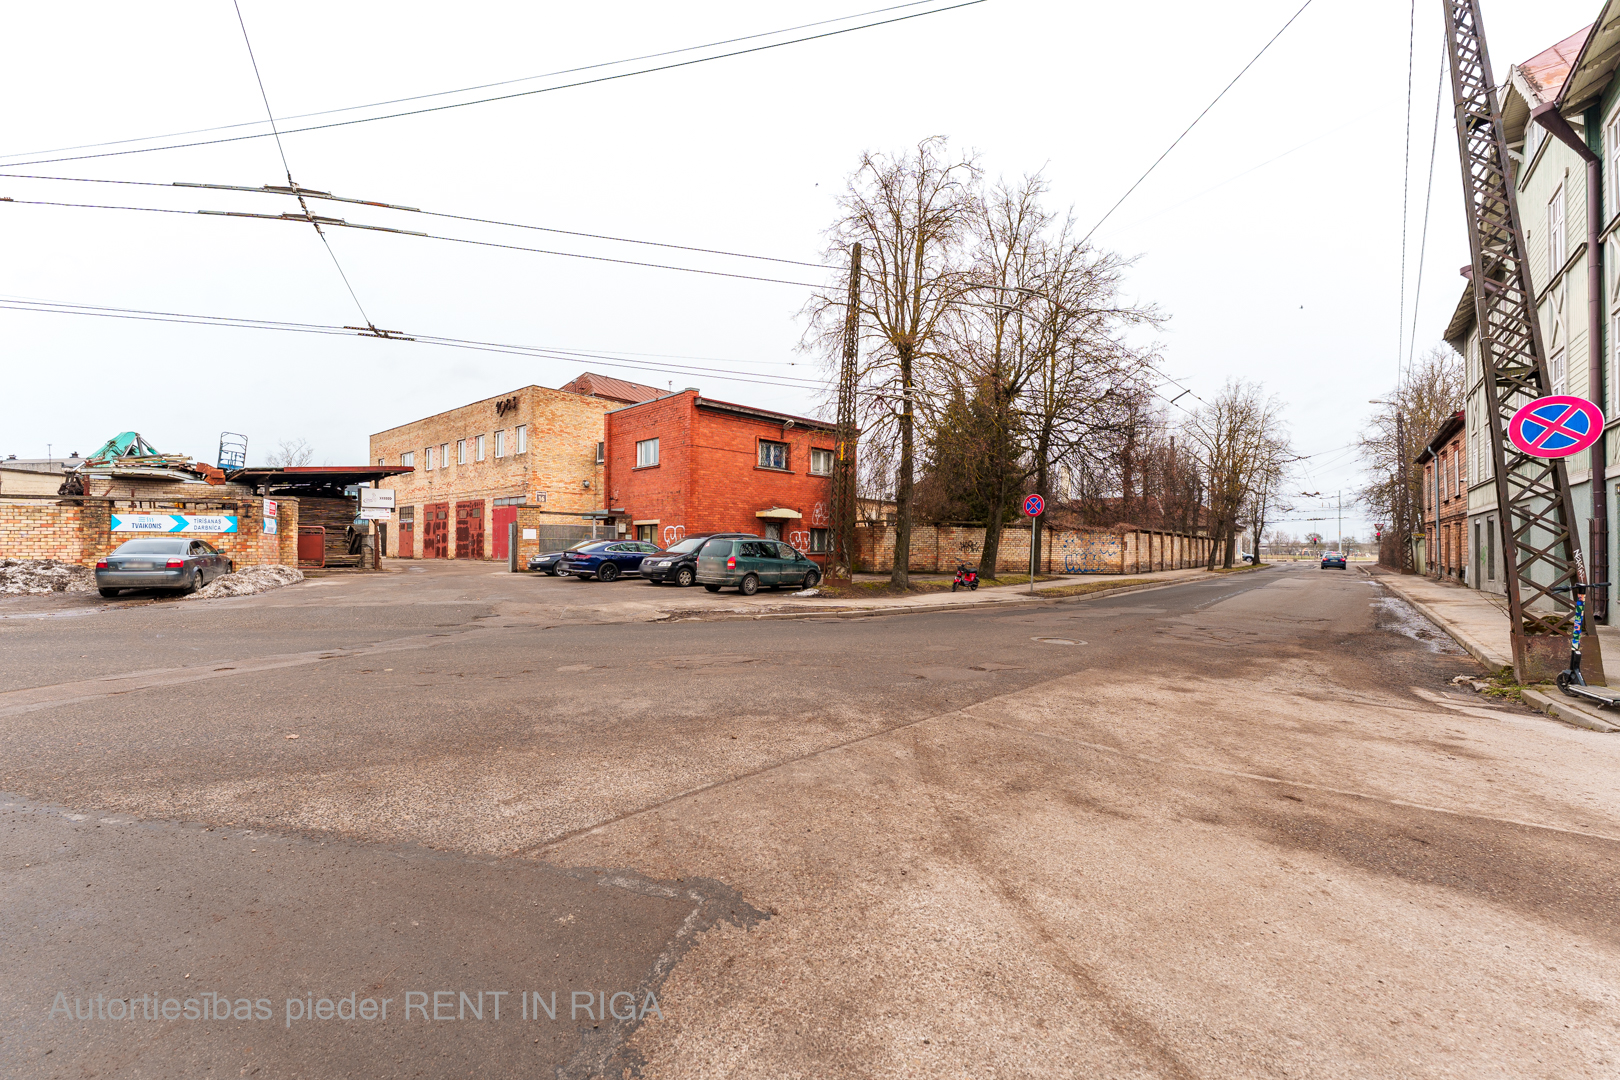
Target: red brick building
[(684, 464), (1445, 500)]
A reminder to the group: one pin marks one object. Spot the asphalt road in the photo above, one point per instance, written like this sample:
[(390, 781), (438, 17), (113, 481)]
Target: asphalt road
[(1234, 827)]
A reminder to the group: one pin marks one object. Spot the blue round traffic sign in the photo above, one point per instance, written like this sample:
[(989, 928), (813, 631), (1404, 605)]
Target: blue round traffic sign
[(1034, 505), (1555, 427)]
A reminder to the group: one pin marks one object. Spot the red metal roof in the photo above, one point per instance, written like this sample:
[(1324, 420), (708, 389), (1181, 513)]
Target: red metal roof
[(1547, 70), (602, 386)]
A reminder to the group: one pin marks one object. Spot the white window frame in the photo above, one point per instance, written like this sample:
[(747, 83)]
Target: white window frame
[(444, 455), (461, 451), (500, 443), (427, 460), (1557, 252), (787, 455), (478, 448), (522, 439), (1555, 369), (646, 453), (601, 451), (1613, 137), (818, 453), (408, 459)]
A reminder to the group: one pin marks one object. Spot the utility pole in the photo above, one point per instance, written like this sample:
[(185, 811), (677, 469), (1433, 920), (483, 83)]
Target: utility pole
[(841, 559), (1403, 529), (1540, 547)]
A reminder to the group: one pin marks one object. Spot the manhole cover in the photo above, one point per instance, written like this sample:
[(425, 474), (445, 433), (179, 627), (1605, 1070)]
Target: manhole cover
[(1057, 641)]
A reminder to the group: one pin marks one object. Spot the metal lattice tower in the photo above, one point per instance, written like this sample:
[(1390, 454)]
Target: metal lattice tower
[(1532, 494), (842, 560)]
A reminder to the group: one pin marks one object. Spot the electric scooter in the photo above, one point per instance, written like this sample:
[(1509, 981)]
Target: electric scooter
[(1572, 682)]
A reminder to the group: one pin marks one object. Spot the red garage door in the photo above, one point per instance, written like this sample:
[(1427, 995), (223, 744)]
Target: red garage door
[(436, 531), (501, 520), (470, 530)]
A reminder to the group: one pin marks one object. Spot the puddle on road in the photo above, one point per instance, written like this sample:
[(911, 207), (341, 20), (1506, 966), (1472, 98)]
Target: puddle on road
[(1396, 616)]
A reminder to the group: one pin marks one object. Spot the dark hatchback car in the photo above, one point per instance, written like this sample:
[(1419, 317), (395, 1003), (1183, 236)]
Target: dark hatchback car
[(749, 564), (160, 564), (606, 559), (552, 561), (1334, 558), (679, 563)]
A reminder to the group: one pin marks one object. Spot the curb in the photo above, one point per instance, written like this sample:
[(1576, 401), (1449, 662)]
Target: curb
[(1469, 645), (914, 609), (1566, 711)]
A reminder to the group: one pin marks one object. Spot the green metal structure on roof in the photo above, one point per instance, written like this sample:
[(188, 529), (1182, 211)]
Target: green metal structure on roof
[(125, 444)]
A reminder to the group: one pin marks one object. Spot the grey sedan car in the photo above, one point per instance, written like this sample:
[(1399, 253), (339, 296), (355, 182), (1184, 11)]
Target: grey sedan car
[(160, 564)]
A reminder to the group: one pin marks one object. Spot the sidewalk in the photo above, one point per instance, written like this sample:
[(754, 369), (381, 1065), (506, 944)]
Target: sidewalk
[(1478, 622), (780, 606)]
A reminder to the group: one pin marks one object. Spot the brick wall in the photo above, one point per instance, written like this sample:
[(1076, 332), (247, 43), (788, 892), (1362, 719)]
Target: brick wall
[(81, 531), (558, 462), (940, 548), (708, 477)]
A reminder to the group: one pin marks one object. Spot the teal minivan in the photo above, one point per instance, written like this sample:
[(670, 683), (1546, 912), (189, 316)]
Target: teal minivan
[(748, 564)]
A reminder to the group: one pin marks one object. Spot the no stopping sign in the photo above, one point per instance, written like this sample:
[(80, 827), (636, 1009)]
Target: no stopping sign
[(1556, 426)]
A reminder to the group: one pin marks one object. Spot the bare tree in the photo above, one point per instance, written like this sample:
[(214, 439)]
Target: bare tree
[(290, 453), (1240, 439), (1431, 394), (910, 215)]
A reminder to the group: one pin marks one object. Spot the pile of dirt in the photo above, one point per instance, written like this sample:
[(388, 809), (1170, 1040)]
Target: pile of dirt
[(255, 579), (40, 577)]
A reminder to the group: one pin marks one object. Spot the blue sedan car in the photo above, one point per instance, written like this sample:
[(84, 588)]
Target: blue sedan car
[(1333, 558), (607, 559)]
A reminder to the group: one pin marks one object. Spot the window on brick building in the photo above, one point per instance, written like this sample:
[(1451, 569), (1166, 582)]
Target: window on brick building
[(601, 452), (408, 459), (821, 462), (522, 439), (478, 448), (461, 451), (647, 534), (444, 455), (427, 458), (646, 453), (773, 455), (500, 444), (818, 540)]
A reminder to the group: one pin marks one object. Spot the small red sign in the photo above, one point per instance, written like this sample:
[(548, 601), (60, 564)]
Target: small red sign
[(1034, 505)]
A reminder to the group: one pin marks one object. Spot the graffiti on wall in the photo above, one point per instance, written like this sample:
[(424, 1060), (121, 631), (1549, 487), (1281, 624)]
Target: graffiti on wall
[(818, 515), (800, 539), (1089, 552), (674, 534)]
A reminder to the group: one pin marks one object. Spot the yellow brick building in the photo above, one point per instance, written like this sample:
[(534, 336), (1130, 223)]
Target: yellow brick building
[(474, 466)]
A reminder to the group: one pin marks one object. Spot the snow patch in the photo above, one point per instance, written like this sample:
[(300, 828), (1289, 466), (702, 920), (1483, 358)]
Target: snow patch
[(808, 592), (254, 579), (40, 577)]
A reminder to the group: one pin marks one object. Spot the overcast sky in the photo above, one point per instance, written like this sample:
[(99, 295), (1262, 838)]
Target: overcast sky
[(1271, 237)]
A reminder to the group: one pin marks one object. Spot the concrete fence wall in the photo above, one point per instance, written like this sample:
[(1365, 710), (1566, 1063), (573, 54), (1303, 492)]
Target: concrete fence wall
[(939, 548), (80, 530)]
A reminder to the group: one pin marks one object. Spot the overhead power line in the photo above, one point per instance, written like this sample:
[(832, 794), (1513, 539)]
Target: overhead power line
[(239, 323), (1406, 182), (265, 97), (312, 193), (319, 220), (1196, 119), (1428, 198), (471, 89), (508, 97)]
